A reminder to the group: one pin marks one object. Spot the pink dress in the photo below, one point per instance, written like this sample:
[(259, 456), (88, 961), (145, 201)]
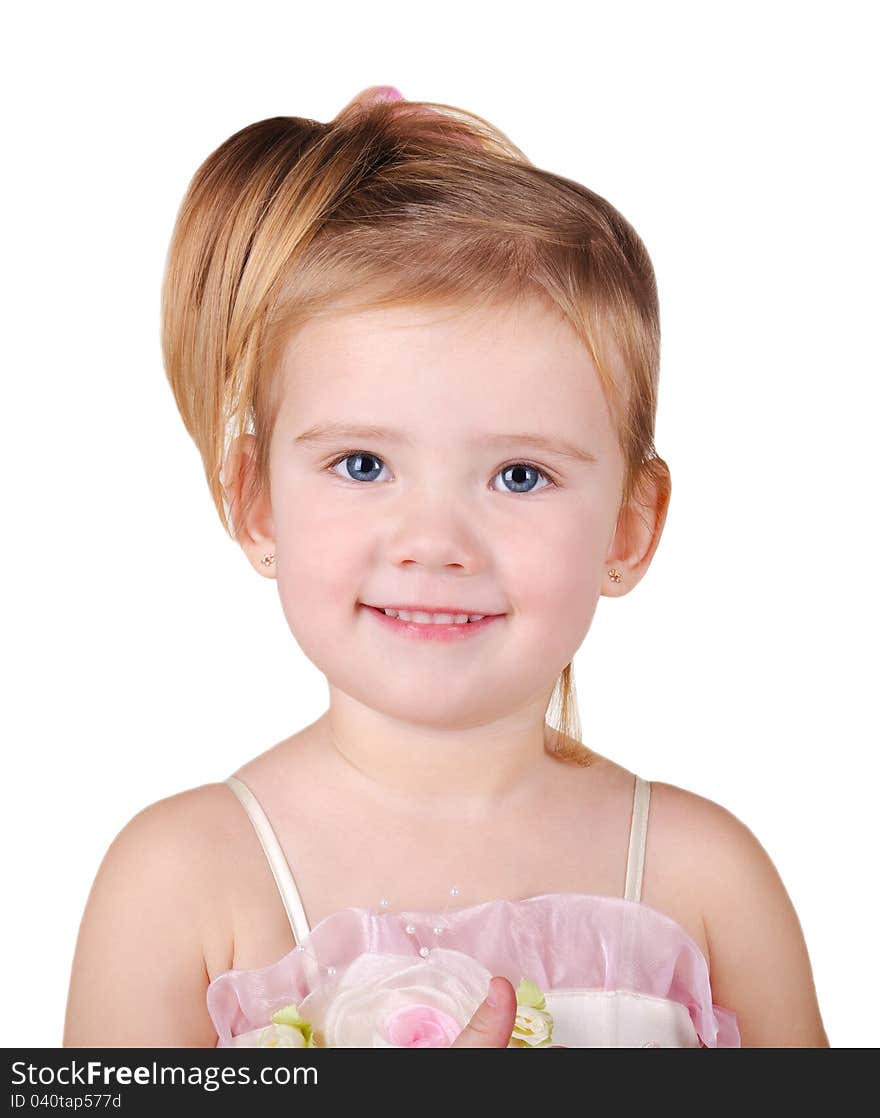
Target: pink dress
[(613, 972)]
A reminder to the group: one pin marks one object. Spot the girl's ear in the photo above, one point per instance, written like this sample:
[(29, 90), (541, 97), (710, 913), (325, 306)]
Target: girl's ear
[(254, 526), (638, 532)]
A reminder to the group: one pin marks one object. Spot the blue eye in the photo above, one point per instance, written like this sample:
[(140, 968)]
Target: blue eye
[(367, 467), (364, 464), (519, 472)]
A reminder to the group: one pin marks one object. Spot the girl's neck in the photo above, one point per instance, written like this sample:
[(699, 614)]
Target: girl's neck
[(463, 774)]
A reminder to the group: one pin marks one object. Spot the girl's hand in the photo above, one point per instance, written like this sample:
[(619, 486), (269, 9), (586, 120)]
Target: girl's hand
[(491, 1026)]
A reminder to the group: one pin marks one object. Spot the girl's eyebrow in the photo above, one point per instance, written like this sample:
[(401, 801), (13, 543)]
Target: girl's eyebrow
[(331, 432)]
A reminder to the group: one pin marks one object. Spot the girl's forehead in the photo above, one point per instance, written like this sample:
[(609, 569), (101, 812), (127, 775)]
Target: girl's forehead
[(448, 335), (519, 368)]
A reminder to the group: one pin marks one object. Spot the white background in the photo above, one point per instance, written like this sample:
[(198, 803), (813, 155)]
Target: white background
[(143, 654)]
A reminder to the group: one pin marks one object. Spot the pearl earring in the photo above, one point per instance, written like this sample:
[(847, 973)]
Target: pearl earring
[(614, 574), (267, 560)]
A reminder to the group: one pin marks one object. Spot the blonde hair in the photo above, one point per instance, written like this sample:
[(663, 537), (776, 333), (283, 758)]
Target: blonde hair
[(394, 203)]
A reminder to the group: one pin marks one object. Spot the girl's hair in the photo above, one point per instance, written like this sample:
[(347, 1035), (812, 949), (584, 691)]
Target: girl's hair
[(388, 204)]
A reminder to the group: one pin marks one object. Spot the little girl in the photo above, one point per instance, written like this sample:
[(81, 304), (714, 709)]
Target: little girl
[(422, 376)]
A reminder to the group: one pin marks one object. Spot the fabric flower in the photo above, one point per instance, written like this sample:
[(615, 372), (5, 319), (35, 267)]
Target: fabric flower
[(280, 1036), (420, 1026), (533, 1027), (395, 1001), (288, 1030)]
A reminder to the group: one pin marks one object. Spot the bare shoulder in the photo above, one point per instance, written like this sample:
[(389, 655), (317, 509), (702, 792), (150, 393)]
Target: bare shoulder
[(153, 926), (758, 958)]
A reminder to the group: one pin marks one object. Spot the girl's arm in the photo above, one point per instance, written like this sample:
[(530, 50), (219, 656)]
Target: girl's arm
[(139, 974), (759, 965)]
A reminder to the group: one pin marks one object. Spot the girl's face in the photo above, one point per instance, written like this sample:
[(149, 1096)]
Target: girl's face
[(449, 500)]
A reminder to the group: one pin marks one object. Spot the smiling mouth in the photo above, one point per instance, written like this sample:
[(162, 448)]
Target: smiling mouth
[(431, 616)]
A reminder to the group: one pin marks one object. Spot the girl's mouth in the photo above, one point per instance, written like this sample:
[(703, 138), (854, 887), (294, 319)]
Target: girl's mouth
[(432, 631)]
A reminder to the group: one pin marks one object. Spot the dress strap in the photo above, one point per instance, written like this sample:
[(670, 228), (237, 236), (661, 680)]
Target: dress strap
[(278, 864), (635, 859)]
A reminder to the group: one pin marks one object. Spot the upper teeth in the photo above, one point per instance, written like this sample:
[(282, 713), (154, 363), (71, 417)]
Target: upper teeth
[(434, 618)]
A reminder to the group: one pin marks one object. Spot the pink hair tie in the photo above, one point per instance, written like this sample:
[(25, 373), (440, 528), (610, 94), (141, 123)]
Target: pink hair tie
[(371, 95), (386, 93), (377, 93)]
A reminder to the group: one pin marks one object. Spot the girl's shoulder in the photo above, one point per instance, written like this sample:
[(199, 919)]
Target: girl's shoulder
[(156, 922), (198, 849), (757, 954), (195, 838), (219, 867)]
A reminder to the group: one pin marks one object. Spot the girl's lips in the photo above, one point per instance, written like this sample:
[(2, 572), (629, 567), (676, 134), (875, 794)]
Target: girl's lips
[(454, 610), (428, 631)]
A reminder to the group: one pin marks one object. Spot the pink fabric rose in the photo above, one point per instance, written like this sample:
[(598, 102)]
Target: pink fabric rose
[(397, 1001), (421, 1026)]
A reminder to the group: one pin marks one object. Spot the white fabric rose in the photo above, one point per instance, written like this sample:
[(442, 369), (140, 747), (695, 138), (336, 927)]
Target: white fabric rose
[(281, 1036), (395, 1001), (270, 1036), (532, 1028)]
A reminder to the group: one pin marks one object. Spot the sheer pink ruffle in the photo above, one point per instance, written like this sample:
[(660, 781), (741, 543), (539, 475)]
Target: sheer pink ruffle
[(570, 941)]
